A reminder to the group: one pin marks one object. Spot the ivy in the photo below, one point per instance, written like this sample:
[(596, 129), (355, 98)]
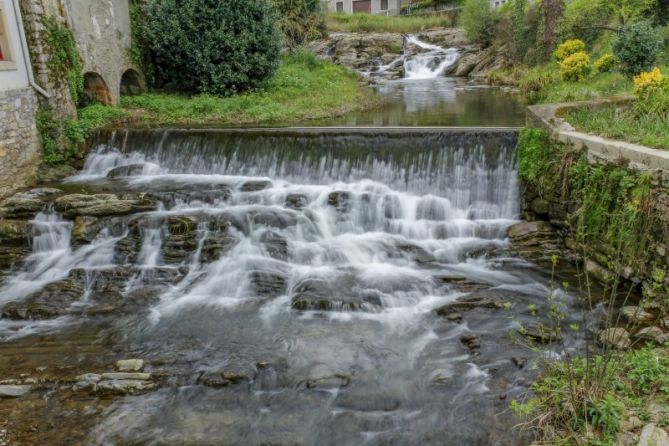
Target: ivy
[(65, 62)]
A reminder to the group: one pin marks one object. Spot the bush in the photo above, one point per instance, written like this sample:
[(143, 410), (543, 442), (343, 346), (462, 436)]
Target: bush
[(606, 63), (575, 67), (637, 46), (219, 47), (478, 20), (647, 82), (569, 48), (300, 21)]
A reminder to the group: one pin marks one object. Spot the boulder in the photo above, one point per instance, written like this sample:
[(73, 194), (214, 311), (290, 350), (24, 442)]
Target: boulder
[(653, 435), (541, 333), (637, 315), (597, 271), (469, 303), (84, 230), (296, 201), (340, 200), (126, 171), (25, 205), (14, 391), (617, 338), (100, 205), (653, 334), (129, 365), (255, 185), (14, 233), (471, 341)]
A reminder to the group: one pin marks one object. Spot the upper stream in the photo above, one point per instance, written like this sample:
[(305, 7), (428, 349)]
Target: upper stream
[(322, 272)]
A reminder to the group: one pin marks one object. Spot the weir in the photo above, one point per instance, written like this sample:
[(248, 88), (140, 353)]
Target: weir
[(325, 268)]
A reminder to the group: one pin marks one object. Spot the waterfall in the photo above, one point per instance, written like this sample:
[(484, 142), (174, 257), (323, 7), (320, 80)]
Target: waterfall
[(421, 60)]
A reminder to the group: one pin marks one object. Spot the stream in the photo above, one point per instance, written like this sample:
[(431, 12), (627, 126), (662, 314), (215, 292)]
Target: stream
[(290, 286)]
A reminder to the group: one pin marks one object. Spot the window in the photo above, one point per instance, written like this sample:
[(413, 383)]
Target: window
[(340, 6), (384, 5), (6, 55)]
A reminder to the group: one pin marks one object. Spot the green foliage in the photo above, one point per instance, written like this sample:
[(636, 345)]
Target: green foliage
[(139, 48), (342, 22), (210, 46), (599, 86), (647, 371), (605, 414), (478, 20), (537, 158), (64, 62), (303, 88), (575, 67), (519, 27), (581, 17), (300, 21), (569, 48), (637, 47), (49, 132), (606, 63)]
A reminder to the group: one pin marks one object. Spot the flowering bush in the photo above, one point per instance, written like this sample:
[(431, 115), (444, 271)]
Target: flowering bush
[(605, 63), (575, 67), (647, 82), (569, 48)]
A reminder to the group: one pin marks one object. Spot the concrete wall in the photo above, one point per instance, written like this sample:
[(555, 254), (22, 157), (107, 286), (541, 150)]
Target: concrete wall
[(13, 74), (103, 35)]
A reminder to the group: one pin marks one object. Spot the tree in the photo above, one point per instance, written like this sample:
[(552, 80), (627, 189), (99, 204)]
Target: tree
[(637, 46), (213, 46), (478, 19), (300, 21)]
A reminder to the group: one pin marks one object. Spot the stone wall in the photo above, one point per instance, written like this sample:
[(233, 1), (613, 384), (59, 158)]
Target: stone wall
[(553, 199), (19, 141)]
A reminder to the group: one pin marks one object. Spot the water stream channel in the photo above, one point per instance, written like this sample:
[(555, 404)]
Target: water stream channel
[(288, 287)]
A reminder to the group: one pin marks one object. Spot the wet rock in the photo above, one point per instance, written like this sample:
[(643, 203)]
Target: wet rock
[(268, 284), (469, 303), (50, 302), (272, 218), (519, 362), (136, 376), (535, 240), (317, 295), (471, 341), (420, 255), (296, 201), (337, 380), (100, 205), (129, 365), (541, 333), (124, 387), (653, 334), (13, 233), (181, 241), (84, 230), (653, 435), (447, 278), (539, 206), (454, 317), (86, 381), (214, 380), (637, 315), (615, 337), (255, 185), (14, 391), (364, 400), (340, 200), (275, 244), (25, 205), (126, 171)]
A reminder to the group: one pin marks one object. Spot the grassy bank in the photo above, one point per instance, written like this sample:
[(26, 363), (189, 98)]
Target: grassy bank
[(395, 24), (304, 88), (649, 130)]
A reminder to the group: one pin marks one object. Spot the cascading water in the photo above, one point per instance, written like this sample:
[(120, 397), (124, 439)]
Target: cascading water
[(310, 264), (421, 60)]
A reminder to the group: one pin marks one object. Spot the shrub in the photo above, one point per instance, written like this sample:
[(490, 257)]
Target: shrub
[(647, 82), (478, 20), (575, 67), (212, 46), (300, 21), (568, 48), (637, 46), (606, 63)]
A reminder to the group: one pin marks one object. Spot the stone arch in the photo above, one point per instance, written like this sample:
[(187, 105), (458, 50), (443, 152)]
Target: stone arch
[(131, 83), (95, 88)]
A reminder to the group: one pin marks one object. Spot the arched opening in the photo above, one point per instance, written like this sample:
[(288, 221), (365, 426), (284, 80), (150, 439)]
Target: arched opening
[(95, 89), (131, 83)]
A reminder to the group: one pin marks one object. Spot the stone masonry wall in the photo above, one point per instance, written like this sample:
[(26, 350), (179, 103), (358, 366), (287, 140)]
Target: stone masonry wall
[(19, 141)]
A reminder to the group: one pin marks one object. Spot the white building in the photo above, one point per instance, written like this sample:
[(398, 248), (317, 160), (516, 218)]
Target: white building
[(497, 3), (376, 7), (13, 67)]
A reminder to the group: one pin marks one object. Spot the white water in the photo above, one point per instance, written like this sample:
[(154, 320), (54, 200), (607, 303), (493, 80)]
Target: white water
[(428, 62)]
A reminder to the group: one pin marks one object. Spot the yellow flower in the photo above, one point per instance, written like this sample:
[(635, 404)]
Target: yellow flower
[(575, 67), (569, 48), (645, 83)]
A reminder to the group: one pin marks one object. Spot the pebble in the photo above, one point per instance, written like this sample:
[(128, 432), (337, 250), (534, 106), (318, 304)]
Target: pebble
[(130, 365)]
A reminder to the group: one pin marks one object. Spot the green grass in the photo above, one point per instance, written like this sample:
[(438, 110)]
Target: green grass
[(649, 130), (396, 24), (303, 88)]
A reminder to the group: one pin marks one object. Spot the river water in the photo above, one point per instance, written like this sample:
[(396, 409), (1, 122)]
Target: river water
[(292, 287)]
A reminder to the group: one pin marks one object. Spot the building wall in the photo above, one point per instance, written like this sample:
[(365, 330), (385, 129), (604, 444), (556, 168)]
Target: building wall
[(19, 141), (103, 35), (393, 6), (13, 73)]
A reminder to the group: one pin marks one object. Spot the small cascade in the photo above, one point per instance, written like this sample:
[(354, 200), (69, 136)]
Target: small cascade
[(421, 61)]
